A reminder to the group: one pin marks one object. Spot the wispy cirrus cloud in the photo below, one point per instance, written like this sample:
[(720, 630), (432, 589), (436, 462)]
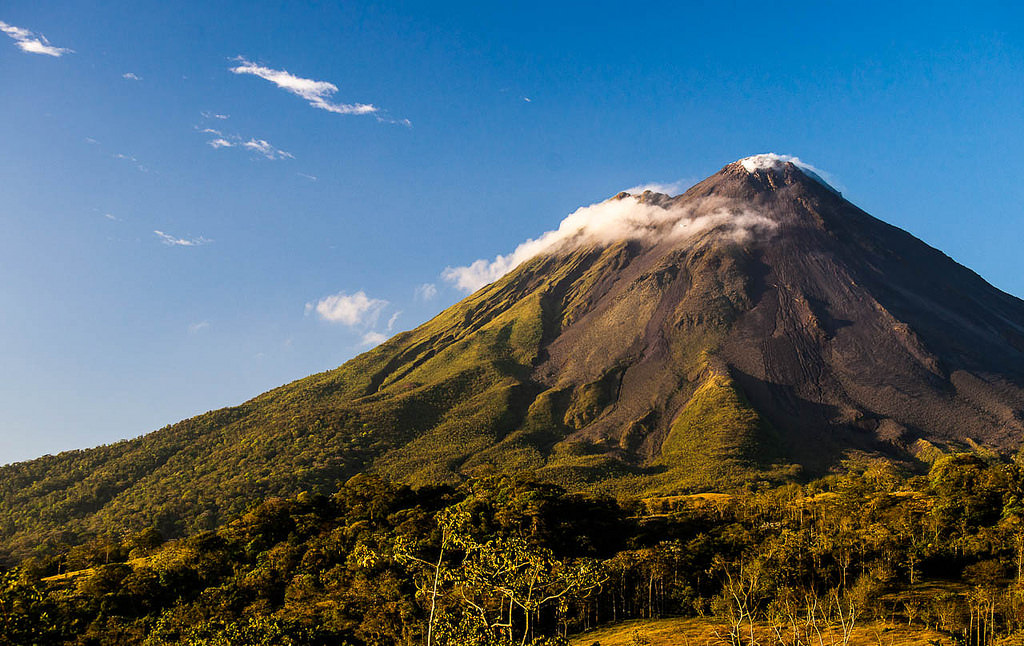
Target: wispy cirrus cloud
[(172, 241), (125, 157), (262, 147), (317, 93), (426, 292), (259, 146), (213, 115), (348, 309), (31, 42), (393, 320), (130, 76), (132, 160)]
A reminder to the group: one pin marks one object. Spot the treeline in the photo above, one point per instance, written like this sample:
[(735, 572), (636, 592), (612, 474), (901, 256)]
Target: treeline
[(509, 560)]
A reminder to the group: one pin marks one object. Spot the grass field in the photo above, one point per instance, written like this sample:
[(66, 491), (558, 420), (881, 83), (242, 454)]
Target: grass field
[(708, 632)]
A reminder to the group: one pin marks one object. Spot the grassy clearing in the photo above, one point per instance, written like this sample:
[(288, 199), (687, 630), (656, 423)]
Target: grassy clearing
[(693, 631), (68, 577)]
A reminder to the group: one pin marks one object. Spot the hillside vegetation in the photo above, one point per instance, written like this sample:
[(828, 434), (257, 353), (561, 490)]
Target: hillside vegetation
[(441, 393), (507, 560), (452, 398)]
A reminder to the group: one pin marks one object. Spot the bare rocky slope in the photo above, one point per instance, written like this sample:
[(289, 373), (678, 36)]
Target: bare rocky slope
[(756, 326)]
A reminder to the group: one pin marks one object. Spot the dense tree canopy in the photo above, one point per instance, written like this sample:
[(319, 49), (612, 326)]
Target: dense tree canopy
[(509, 560)]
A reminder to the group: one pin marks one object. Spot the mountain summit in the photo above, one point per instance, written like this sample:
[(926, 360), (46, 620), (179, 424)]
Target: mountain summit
[(757, 325)]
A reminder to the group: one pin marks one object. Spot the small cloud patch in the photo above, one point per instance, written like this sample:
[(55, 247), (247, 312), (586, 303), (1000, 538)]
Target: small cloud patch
[(393, 319), (261, 147), (373, 339), (426, 292), (131, 159), (172, 241), (348, 309), (668, 188), (264, 148)]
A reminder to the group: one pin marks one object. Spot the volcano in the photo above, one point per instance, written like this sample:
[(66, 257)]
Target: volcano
[(756, 326)]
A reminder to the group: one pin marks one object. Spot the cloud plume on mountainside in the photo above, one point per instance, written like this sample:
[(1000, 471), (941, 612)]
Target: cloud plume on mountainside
[(624, 217)]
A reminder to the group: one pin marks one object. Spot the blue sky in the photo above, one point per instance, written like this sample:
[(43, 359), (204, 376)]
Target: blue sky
[(301, 228)]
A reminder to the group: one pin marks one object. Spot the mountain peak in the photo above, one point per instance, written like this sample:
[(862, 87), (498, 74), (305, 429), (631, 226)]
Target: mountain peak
[(775, 163), (768, 161), (751, 327)]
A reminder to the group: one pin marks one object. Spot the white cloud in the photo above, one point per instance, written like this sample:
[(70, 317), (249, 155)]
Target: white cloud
[(614, 220), (311, 178), (767, 161), (132, 159), (262, 147), (393, 319), (316, 93), (129, 76), (426, 292), (196, 327), (258, 146), (352, 310), (213, 115), (371, 339), (111, 217), (171, 241), (669, 188), (31, 42)]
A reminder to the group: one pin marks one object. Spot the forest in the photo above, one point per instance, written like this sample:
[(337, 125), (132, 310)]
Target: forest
[(504, 559)]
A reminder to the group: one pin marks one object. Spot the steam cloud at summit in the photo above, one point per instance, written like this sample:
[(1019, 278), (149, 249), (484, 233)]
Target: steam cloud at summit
[(611, 221)]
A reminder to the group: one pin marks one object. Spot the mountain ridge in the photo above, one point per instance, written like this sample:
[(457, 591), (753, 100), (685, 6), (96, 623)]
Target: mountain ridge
[(756, 326)]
